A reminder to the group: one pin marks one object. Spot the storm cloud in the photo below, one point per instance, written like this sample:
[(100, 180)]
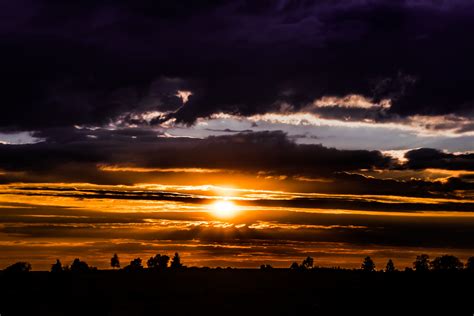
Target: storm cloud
[(87, 64)]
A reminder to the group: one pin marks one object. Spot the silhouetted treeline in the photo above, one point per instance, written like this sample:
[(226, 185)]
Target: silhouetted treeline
[(422, 264), (230, 291)]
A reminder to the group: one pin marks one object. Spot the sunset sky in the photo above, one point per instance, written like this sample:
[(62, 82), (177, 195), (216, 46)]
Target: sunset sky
[(236, 132)]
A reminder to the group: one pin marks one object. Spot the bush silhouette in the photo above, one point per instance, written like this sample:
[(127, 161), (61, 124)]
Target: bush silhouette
[(390, 266), (57, 267), (79, 266), (135, 265), (446, 263), (470, 264), (158, 262), (421, 263), (176, 262), (18, 267), (114, 261), (368, 265)]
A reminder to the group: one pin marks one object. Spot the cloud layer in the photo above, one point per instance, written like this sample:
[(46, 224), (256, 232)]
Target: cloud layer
[(94, 62)]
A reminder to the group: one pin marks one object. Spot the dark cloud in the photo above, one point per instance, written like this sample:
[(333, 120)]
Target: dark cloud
[(424, 158), (88, 63), (352, 183), (76, 155), (270, 152)]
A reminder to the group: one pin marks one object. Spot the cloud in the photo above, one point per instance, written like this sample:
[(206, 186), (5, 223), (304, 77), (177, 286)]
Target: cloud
[(272, 234), (269, 159), (273, 226), (112, 60), (349, 192), (424, 158), (270, 152), (349, 101)]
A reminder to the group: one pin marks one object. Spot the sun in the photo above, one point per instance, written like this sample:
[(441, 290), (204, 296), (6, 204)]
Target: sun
[(224, 209)]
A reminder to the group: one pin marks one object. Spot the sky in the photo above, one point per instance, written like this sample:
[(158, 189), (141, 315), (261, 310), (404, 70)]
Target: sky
[(237, 133)]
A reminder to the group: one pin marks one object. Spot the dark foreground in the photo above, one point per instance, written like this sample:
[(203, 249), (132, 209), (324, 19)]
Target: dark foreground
[(237, 292)]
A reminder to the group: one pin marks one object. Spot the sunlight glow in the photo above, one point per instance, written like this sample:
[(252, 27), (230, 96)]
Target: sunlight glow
[(224, 209)]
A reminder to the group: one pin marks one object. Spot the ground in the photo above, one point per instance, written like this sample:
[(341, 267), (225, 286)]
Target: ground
[(237, 292)]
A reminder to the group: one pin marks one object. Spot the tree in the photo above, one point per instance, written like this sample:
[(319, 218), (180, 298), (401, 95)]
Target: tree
[(18, 267), (158, 262), (152, 263), (135, 265), (390, 266), (176, 262), (163, 262), (114, 261), (295, 266), (446, 263), (266, 267), (470, 264), (307, 263), (79, 266), (421, 263), (368, 265), (57, 267)]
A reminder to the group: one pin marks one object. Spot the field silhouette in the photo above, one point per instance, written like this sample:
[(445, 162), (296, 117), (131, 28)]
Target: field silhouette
[(265, 291)]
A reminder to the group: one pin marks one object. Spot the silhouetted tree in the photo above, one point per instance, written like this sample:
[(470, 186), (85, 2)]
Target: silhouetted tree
[(266, 267), (368, 265), (158, 262), (176, 262), (57, 267), (421, 263), (470, 264), (79, 266), (114, 261), (390, 266), (307, 263), (152, 263), (446, 263), (18, 267), (295, 266), (163, 262), (135, 265)]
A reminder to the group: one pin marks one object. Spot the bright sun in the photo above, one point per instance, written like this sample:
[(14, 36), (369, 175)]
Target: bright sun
[(224, 209)]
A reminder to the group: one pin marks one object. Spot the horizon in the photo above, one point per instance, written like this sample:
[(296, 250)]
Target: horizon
[(422, 263)]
